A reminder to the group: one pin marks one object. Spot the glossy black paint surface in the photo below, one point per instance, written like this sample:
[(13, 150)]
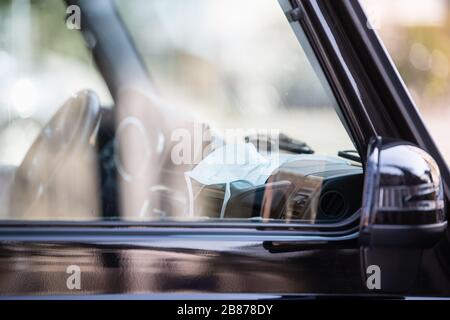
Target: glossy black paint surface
[(162, 265), (152, 262)]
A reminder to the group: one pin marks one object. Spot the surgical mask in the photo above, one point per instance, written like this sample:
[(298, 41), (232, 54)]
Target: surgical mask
[(230, 163)]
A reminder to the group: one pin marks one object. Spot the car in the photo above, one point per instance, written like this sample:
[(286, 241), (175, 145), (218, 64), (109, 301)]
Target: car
[(212, 150)]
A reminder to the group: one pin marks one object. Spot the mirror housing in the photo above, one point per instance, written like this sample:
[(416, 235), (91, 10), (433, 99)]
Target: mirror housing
[(403, 211)]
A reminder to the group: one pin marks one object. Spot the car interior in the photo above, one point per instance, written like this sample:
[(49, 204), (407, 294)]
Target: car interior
[(122, 153)]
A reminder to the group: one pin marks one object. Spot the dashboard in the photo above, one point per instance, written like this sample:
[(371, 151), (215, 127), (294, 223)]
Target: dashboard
[(313, 190)]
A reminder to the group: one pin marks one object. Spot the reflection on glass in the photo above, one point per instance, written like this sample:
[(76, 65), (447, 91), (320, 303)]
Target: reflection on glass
[(240, 128)]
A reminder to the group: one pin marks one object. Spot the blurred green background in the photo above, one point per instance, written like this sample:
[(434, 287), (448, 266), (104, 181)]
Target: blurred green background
[(417, 35)]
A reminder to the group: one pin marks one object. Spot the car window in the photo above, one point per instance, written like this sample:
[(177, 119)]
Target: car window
[(241, 125), (233, 68)]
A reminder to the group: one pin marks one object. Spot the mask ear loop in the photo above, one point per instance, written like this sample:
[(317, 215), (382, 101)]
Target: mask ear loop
[(226, 197), (191, 194)]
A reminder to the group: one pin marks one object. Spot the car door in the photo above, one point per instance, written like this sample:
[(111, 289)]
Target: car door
[(352, 50), (191, 258)]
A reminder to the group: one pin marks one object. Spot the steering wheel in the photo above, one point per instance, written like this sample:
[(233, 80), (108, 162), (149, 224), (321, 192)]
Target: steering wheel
[(67, 131)]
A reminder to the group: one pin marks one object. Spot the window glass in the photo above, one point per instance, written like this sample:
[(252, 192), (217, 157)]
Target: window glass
[(42, 64), (235, 66), (241, 125)]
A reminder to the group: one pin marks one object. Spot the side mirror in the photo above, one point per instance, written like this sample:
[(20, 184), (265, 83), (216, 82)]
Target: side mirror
[(403, 211)]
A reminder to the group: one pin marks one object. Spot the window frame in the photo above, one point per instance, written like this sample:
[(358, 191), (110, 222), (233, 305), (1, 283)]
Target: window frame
[(385, 100)]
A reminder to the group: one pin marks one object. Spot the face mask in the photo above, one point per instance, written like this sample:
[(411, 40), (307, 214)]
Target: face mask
[(229, 163)]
